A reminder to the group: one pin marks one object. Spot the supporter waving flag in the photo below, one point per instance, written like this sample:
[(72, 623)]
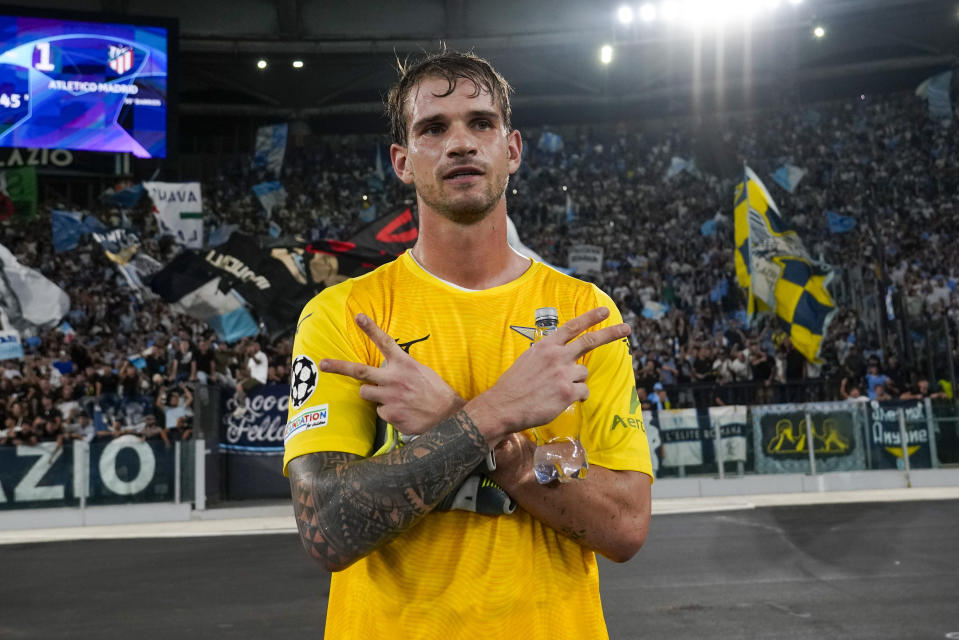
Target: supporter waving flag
[(27, 297), (188, 284), (330, 261), (776, 271)]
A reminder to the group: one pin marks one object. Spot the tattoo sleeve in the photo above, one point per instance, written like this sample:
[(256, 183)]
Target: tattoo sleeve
[(347, 506)]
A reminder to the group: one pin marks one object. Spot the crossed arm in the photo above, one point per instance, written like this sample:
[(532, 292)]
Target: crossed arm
[(347, 506)]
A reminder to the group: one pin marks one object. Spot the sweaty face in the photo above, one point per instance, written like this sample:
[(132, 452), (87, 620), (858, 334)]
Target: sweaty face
[(459, 155)]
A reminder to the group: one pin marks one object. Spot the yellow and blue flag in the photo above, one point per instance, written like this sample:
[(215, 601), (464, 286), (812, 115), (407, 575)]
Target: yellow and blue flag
[(776, 271)]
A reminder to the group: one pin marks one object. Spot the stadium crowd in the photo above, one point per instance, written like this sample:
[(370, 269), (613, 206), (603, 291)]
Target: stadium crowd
[(124, 362)]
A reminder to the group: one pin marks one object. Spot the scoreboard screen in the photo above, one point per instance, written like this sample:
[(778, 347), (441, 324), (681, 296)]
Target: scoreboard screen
[(83, 85)]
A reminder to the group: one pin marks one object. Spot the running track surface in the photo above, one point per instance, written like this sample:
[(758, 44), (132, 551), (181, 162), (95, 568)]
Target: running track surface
[(843, 571)]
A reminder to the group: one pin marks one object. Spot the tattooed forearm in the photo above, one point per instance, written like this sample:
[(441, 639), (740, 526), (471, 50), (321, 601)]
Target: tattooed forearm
[(346, 506)]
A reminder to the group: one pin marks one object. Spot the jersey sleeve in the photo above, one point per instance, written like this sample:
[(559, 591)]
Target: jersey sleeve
[(326, 412), (614, 434)]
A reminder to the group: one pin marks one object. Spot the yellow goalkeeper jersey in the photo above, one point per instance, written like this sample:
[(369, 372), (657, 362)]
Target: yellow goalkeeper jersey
[(459, 574)]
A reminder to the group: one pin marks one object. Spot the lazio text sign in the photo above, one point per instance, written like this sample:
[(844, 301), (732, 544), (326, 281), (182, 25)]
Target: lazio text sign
[(124, 469)]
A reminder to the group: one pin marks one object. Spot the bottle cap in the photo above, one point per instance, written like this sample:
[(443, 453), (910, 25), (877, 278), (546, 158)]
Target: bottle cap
[(547, 314)]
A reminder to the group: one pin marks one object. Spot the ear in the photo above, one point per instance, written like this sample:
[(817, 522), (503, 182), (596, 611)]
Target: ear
[(514, 150), (401, 165)]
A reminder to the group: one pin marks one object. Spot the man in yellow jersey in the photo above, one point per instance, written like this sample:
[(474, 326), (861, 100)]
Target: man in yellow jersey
[(405, 379)]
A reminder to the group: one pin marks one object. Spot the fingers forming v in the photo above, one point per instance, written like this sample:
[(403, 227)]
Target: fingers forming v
[(380, 338), (585, 343)]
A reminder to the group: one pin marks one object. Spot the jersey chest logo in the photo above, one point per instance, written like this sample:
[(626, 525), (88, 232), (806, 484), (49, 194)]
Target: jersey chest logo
[(406, 346)]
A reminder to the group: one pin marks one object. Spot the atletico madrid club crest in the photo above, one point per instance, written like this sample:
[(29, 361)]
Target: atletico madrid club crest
[(120, 59)]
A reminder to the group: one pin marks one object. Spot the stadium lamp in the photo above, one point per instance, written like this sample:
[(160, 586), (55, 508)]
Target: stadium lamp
[(625, 14), (819, 31), (669, 11), (606, 54), (647, 12), (261, 64), (297, 64)]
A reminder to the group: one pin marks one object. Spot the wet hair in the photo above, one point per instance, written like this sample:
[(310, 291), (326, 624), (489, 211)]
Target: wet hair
[(451, 66)]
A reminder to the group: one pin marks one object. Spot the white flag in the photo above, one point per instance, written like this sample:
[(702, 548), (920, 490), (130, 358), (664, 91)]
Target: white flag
[(27, 296), (732, 430), (586, 258), (179, 211), (682, 441)]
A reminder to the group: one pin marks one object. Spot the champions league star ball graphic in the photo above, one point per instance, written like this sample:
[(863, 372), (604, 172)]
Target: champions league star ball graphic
[(302, 380)]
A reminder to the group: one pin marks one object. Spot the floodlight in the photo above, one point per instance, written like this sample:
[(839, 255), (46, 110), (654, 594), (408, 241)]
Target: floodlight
[(819, 31), (625, 14), (297, 64), (606, 54), (261, 64), (647, 12), (669, 10)]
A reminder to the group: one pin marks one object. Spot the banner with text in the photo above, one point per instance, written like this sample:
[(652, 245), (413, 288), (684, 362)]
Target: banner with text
[(259, 430), (682, 438), (732, 430), (885, 440), (178, 207), (586, 258)]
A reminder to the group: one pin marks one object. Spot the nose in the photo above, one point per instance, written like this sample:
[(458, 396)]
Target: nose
[(460, 141)]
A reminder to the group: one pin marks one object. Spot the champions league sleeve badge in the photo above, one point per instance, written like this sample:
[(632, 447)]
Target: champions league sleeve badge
[(302, 380)]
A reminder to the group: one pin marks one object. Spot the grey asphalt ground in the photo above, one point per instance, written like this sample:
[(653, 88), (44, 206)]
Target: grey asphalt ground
[(843, 571)]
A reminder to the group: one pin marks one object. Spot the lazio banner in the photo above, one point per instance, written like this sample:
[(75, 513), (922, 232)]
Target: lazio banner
[(681, 437), (885, 439), (781, 444), (259, 430), (179, 211), (777, 272)]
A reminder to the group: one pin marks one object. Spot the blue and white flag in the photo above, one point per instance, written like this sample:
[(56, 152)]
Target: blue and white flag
[(220, 234), (708, 228), (936, 91), (840, 223), (655, 310), (570, 210), (271, 195), (186, 284), (676, 166), (125, 198), (368, 211), (550, 142), (67, 228), (270, 148), (93, 224), (275, 230), (788, 176), (10, 346)]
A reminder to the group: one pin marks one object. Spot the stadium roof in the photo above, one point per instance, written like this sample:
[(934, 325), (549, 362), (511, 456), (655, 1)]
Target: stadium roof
[(548, 49)]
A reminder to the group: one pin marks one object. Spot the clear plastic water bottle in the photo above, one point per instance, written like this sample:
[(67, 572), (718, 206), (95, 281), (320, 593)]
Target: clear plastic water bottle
[(559, 454)]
